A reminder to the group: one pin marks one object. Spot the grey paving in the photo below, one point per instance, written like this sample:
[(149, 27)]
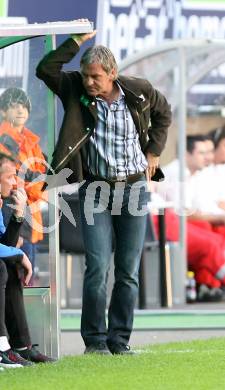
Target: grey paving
[(72, 343)]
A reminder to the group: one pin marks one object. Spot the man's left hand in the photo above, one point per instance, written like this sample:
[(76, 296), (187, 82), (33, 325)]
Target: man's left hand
[(153, 163), (19, 198)]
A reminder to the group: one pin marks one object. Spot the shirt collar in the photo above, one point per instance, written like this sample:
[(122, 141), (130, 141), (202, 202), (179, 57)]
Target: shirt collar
[(120, 97), (122, 94)]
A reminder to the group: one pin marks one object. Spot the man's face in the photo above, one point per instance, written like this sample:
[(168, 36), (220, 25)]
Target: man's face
[(209, 152), (196, 159), (7, 178), (96, 81), (17, 114)]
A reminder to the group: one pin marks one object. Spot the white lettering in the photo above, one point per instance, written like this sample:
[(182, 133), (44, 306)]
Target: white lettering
[(92, 207), (133, 205)]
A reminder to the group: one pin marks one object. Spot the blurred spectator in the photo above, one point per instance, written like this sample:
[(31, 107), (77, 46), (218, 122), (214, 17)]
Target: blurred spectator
[(208, 193), (218, 138), (13, 322), (205, 250), (23, 144), (209, 151), (195, 161)]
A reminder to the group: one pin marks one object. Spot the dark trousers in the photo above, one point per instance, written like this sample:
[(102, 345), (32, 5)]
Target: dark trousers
[(12, 311), (3, 281), (128, 224)]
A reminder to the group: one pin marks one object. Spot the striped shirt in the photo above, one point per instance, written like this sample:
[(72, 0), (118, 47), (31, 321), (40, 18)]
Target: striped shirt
[(114, 148)]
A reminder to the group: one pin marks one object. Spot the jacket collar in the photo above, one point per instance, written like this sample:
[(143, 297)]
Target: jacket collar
[(136, 96)]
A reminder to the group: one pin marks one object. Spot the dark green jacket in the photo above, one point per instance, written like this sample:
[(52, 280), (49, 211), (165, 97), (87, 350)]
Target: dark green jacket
[(150, 111)]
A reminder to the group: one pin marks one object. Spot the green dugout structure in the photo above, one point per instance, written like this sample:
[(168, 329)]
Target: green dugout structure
[(22, 47)]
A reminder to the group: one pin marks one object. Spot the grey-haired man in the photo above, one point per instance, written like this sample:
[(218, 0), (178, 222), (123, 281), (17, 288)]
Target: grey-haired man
[(106, 137)]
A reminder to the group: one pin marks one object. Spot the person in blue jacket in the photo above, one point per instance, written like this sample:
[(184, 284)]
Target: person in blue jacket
[(16, 349)]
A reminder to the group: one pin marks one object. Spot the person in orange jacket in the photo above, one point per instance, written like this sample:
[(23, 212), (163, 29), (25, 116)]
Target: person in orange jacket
[(23, 144)]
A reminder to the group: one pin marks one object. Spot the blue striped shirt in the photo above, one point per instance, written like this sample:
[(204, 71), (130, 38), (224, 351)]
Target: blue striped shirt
[(114, 148)]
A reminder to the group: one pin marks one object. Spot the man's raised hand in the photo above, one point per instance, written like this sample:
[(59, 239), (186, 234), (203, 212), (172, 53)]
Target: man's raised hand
[(81, 38)]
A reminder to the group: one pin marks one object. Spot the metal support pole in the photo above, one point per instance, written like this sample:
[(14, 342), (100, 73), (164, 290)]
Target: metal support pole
[(53, 217), (162, 262), (182, 117)]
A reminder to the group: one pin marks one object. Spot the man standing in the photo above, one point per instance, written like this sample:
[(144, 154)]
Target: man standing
[(106, 137)]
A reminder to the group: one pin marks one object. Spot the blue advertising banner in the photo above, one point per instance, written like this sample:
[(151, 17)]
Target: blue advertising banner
[(128, 26), (41, 11)]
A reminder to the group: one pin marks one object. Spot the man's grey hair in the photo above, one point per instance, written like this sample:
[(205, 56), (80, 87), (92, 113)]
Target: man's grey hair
[(99, 55)]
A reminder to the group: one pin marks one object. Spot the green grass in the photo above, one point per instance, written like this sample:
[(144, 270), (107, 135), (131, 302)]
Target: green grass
[(197, 365)]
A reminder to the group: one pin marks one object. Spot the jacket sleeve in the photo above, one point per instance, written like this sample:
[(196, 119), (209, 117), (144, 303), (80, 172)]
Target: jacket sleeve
[(160, 120), (9, 251), (11, 235), (50, 67), (8, 240)]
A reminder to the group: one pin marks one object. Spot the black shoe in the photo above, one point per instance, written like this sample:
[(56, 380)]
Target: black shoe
[(99, 348), (120, 349), (206, 294), (33, 355), (11, 359)]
